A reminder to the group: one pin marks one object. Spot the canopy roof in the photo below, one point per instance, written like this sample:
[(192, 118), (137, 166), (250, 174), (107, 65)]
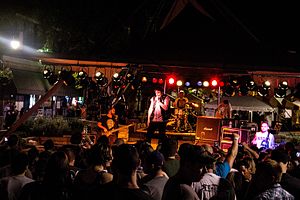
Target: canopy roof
[(243, 103)]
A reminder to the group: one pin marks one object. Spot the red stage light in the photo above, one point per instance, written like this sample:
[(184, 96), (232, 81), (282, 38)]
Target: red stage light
[(160, 81), (154, 80), (214, 83), (171, 81), (222, 84)]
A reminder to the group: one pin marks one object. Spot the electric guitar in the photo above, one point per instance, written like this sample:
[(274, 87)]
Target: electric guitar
[(111, 132)]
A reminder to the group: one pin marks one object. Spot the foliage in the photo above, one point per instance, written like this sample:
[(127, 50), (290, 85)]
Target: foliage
[(6, 75), (46, 126)]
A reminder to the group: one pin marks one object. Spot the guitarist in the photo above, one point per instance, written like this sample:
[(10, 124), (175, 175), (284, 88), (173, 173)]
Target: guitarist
[(109, 123), (264, 139)]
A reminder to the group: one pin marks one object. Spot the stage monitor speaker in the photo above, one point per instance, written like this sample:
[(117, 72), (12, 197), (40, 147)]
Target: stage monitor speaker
[(208, 128)]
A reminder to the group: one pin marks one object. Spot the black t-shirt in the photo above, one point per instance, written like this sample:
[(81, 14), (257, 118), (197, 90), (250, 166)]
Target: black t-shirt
[(109, 123)]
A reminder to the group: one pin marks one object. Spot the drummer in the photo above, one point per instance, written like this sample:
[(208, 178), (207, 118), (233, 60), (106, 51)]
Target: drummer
[(180, 104)]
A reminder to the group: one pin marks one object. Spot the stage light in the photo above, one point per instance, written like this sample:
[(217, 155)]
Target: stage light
[(179, 83), (144, 79), (243, 90), (267, 84), (187, 84), (154, 80), (82, 75), (263, 91), (116, 75), (160, 81), (99, 75), (280, 93), (199, 83), (250, 85), (15, 44), (47, 73), (234, 82), (229, 91), (129, 77), (222, 84), (214, 83), (67, 76), (171, 81), (283, 85), (205, 83)]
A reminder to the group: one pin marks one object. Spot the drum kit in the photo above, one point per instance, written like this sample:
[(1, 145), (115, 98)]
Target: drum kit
[(184, 119)]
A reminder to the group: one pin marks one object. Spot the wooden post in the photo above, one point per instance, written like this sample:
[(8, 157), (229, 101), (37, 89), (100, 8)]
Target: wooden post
[(34, 108)]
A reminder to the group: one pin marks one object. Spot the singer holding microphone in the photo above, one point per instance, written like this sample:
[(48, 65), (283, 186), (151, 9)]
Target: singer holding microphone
[(157, 115)]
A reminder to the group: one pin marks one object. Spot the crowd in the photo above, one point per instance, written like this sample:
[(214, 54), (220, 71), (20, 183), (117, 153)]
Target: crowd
[(124, 171)]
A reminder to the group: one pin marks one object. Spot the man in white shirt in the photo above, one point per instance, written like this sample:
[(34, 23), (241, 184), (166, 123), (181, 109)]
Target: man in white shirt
[(264, 139)]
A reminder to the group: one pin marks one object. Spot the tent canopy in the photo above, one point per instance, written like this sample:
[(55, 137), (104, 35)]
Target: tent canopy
[(243, 103)]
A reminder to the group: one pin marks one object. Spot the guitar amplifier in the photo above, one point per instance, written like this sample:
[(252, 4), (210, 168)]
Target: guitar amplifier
[(208, 128)]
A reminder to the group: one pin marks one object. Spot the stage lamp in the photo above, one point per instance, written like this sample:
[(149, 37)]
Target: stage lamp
[(267, 84), (214, 83), (250, 85), (205, 83), (116, 75), (283, 85), (154, 80), (179, 83), (187, 84), (101, 80), (67, 76), (171, 81), (199, 83), (129, 77), (243, 90), (144, 79), (280, 93), (229, 91), (47, 73), (99, 75), (52, 79), (82, 75), (160, 81), (263, 91), (222, 84), (15, 44)]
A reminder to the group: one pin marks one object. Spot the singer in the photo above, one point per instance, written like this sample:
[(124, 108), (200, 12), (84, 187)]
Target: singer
[(157, 115)]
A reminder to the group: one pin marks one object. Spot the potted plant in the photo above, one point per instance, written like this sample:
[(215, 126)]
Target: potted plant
[(6, 75)]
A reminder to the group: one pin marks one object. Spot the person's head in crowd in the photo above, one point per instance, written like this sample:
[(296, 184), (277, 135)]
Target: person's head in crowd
[(267, 174), (125, 162), (100, 155), (33, 154), (12, 140), (144, 150), (247, 168), (71, 156), (48, 145), (57, 170), (282, 158), (192, 161), (103, 139), (289, 147), (208, 148), (169, 148), (154, 162), (19, 164)]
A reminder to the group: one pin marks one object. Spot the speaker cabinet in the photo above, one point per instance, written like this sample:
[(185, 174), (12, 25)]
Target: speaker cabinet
[(208, 128)]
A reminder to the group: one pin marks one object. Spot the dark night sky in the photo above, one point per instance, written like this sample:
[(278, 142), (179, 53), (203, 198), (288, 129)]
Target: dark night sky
[(249, 32)]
